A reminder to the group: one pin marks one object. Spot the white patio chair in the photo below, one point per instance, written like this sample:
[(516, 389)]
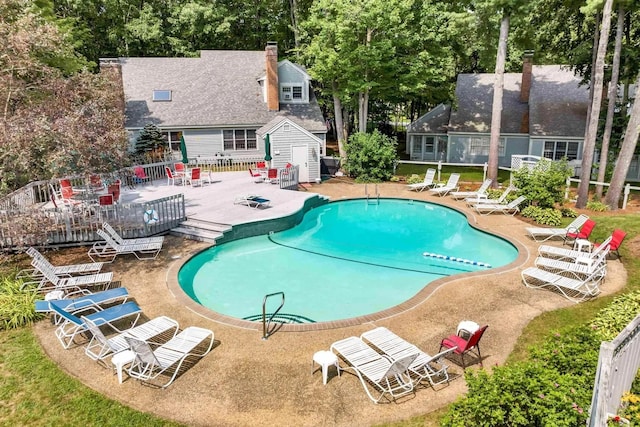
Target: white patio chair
[(424, 366), (451, 185), (510, 208), (565, 254), (377, 372), (135, 241), (575, 290), (50, 281), (472, 201), (542, 234), (60, 270), (480, 193), (150, 364), (100, 346), (427, 183), (111, 249), (577, 269)]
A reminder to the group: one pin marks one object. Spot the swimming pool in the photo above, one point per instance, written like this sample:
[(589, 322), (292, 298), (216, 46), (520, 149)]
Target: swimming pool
[(344, 260)]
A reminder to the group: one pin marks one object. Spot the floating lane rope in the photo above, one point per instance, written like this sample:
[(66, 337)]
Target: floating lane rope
[(455, 259)]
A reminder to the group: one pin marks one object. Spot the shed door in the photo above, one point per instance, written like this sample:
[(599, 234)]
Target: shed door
[(300, 157)]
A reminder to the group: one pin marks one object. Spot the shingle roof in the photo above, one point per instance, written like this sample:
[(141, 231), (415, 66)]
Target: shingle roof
[(474, 95), (218, 89), (435, 121), (558, 104)]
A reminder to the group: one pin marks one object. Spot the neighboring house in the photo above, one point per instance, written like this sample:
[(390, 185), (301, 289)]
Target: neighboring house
[(544, 114), (224, 103)]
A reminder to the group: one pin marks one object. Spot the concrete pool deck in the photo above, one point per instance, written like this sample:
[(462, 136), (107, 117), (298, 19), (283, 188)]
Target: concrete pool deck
[(249, 381)]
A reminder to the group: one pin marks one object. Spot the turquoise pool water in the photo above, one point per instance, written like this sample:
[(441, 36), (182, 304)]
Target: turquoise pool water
[(345, 259)]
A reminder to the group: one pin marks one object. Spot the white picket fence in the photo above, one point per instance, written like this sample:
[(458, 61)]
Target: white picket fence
[(617, 367), (626, 191)]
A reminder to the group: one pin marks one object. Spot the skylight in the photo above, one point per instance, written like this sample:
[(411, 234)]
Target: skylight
[(162, 95)]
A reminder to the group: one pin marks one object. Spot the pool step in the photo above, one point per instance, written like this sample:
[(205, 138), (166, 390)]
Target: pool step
[(203, 231), (281, 318)]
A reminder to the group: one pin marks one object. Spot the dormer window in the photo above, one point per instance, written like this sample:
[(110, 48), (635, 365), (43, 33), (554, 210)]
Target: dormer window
[(291, 93), (162, 95)]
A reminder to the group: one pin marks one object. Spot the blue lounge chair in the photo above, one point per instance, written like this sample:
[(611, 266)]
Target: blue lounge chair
[(253, 201), (72, 325), (72, 303)]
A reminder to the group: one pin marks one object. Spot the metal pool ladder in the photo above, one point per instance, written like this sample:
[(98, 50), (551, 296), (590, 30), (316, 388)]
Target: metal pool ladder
[(266, 323), (369, 197)]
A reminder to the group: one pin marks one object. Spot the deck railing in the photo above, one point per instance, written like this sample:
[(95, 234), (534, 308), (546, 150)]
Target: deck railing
[(42, 226)]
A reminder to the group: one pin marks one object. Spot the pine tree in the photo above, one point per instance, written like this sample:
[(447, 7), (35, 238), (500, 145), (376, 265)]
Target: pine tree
[(149, 140)]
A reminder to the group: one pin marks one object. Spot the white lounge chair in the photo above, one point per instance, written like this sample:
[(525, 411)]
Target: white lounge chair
[(480, 193), (149, 364), (51, 281), (510, 208), (472, 201), (375, 370), (451, 185), (578, 269), (110, 248), (575, 290), (427, 183), (71, 325), (137, 241), (541, 234), (100, 346), (565, 254), (425, 366), (60, 270)]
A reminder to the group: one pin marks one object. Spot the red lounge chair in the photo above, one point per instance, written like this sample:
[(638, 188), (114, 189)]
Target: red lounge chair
[(464, 346), (583, 233), (616, 240)]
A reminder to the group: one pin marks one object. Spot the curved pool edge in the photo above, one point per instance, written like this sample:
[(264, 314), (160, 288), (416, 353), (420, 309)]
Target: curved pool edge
[(418, 299)]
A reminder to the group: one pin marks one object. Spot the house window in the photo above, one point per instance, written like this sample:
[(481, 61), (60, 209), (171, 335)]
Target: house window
[(480, 147), (429, 145), (239, 139), (291, 93), (173, 139), (557, 150), (162, 95)]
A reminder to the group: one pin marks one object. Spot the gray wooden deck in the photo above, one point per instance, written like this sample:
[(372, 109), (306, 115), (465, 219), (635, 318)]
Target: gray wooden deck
[(215, 202)]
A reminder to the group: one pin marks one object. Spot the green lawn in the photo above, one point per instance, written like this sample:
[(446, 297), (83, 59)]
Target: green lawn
[(467, 173)]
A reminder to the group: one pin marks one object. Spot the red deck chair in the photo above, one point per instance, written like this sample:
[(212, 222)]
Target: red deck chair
[(114, 190), (616, 240), (583, 233), (272, 176), (179, 169), (464, 346)]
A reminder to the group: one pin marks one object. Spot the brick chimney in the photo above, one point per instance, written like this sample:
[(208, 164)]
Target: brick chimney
[(527, 65), (273, 95)]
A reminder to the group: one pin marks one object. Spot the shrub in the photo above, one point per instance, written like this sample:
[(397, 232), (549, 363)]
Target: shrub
[(414, 179), (371, 157), (395, 178), (546, 216), (16, 306), (544, 184), (568, 213), (597, 206), (522, 394), (612, 319)]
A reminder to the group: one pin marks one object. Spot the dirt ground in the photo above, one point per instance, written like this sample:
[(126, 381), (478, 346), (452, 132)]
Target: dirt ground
[(249, 381)]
